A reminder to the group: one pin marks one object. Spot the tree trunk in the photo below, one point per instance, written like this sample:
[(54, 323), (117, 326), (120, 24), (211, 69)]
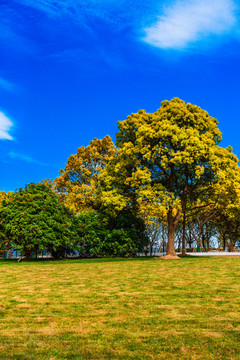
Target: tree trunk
[(190, 240), (27, 253), (232, 247), (179, 243), (145, 250), (172, 225), (208, 248), (172, 221), (184, 203), (151, 249), (203, 242), (171, 237), (184, 233), (224, 241)]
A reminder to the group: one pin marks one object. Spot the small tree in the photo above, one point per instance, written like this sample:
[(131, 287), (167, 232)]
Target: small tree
[(32, 219)]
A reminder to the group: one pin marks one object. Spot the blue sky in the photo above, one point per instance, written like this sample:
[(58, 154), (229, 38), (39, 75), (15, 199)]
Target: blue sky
[(69, 70)]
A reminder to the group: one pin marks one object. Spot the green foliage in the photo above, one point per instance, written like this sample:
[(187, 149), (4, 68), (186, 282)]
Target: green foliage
[(32, 219), (105, 235)]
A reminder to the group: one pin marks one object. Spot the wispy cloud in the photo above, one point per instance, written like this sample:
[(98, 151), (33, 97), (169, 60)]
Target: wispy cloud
[(7, 85), (23, 157), (5, 126), (120, 14), (49, 6), (73, 8), (84, 58), (186, 21), (13, 30)]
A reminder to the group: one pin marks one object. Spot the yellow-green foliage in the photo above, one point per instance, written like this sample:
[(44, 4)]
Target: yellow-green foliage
[(166, 156), (3, 196), (78, 182)]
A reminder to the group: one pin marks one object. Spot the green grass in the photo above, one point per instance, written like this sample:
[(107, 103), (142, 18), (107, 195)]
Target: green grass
[(120, 309)]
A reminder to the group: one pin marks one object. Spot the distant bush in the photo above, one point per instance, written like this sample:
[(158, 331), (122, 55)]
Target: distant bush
[(103, 235)]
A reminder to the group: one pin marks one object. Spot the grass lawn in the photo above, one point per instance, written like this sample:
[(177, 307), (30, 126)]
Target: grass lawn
[(120, 309)]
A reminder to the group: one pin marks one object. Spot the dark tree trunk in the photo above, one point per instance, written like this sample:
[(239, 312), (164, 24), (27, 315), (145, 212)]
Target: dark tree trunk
[(184, 233), (27, 253), (145, 250), (208, 248), (232, 247), (203, 241), (190, 240), (184, 203), (224, 241), (179, 243), (151, 249)]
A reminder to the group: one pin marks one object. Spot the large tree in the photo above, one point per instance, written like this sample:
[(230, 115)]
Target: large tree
[(77, 184), (167, 160)]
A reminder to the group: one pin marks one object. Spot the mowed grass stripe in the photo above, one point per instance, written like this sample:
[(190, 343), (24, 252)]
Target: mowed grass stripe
[(120, 309)]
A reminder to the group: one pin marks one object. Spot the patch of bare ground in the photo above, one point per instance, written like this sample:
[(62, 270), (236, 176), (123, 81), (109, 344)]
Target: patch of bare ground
[(172, 332), (214, 334), (168, 257)]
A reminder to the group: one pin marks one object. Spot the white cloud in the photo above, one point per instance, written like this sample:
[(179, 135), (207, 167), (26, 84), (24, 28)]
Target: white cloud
[(186, 21), (5, 126)]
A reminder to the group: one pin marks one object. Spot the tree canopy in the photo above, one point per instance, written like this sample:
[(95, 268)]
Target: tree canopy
[(32, 219), (3, 196), (166, 160), (167, 170), (77, 184)]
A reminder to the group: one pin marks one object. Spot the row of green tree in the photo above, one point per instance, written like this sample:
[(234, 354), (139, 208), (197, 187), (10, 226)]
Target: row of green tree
[(33, 220), (166, 169)]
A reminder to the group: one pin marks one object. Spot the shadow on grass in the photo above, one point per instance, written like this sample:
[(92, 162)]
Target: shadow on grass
[(78, 260), (100, 260)]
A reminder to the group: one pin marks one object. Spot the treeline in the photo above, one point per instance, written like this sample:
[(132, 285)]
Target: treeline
[(34, 220), (166, 183)]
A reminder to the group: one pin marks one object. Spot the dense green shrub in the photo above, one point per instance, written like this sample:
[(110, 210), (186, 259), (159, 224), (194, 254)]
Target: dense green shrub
[(103, 235), (32, 219)]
